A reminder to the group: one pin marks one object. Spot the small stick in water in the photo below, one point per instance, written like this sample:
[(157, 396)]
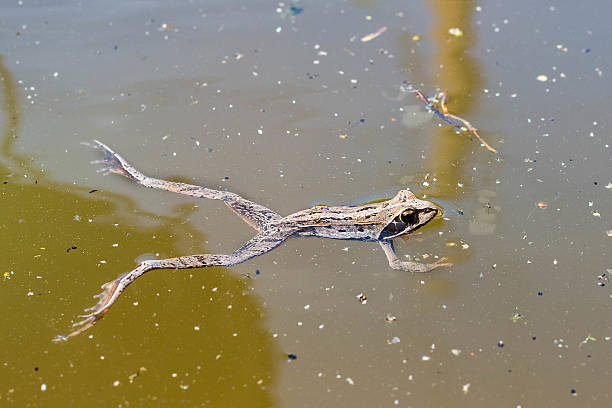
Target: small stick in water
[(443, 114)]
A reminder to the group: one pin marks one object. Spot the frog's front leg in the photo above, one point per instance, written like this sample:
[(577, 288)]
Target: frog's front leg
[(396, 263)]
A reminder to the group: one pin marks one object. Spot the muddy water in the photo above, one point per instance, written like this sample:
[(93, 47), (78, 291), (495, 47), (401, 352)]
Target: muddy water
[(286, 105)]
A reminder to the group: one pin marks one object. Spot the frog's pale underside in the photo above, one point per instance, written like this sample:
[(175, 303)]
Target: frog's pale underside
[(380, 222)]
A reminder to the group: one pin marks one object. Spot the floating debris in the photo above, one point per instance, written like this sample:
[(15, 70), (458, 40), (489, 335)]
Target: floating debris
[(542, 78), (587, 339), (373, 35), (362, 298), (390, 318), (440, 100), (455, 32), (394, 340), (516, 317)]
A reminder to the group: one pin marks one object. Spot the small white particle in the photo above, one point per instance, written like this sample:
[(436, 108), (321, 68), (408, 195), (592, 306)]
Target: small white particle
[(43, 387)]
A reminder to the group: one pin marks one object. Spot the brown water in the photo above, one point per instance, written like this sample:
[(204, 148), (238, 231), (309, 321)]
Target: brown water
[(289, 108)]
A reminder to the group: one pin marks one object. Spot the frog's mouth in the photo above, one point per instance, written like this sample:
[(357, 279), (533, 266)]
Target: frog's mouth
[(405, 224)]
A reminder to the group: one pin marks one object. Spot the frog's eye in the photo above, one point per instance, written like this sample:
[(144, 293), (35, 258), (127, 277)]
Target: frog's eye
[(409, 216)]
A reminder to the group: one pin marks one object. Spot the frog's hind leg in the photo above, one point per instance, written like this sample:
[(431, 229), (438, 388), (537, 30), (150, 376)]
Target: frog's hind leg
[(256, 215), (260, 244)]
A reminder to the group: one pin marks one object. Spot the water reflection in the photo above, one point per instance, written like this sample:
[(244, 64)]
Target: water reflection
[(175, 339), (461, 76)]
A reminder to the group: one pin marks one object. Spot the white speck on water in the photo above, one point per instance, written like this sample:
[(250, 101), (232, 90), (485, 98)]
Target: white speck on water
[(43, 387)]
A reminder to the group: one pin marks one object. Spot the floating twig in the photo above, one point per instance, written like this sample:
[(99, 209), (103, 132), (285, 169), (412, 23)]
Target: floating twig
[(453, 120), (373, 35)]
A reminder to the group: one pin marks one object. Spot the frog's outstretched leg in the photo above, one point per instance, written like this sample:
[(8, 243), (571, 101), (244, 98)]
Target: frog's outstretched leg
[(256, 215), (408, 266), (260, 244)]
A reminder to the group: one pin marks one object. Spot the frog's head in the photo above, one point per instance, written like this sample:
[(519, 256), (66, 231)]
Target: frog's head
[(407, 214)]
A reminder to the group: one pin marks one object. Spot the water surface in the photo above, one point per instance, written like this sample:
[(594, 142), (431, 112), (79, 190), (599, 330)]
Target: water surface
[(286, 105)]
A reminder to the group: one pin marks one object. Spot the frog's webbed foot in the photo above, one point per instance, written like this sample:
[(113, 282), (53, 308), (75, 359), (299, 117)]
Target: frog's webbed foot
[(409, 266), (113, 162), (111, 292)]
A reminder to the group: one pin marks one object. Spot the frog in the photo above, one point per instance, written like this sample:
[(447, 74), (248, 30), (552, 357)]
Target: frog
[(380, 221)]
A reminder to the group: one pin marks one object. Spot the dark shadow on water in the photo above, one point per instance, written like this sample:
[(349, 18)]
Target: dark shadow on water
[(171, 340)]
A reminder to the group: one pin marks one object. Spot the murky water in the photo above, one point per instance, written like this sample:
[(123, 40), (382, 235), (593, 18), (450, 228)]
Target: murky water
[(285, 104)]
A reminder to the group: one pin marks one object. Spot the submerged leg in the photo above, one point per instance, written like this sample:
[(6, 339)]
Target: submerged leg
[(408, 266), (256, 215), (260, 244)]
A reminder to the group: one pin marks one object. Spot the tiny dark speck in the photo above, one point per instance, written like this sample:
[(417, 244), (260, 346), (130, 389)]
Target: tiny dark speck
[(5, 182), (573, 391), (533, 338), (595, 182), (35, 368), (588, 356), (460, 212), (257, 272), (291, 356), (115, 47), (92, 191), (500, 343), (361, 120), (587, 50), (540, 293)]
